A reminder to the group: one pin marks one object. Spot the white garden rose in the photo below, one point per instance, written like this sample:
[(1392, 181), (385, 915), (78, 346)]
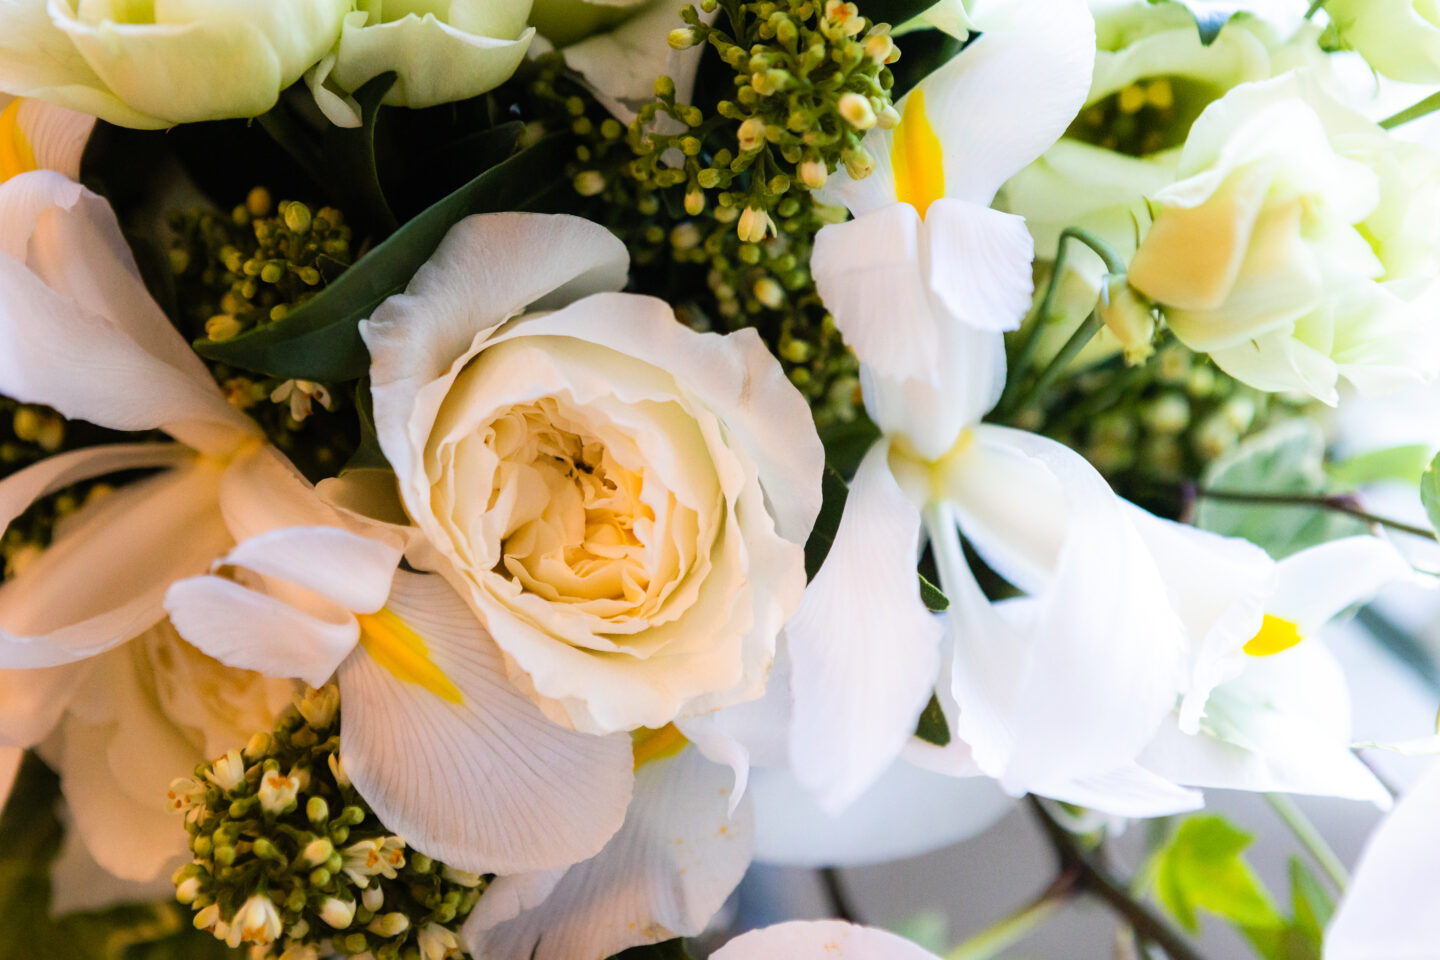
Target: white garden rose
[(156, 63), (1297, 246), (623, 500), (1399, 38)]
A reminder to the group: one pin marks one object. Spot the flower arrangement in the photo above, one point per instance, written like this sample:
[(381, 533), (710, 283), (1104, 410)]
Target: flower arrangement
[(478, 474)]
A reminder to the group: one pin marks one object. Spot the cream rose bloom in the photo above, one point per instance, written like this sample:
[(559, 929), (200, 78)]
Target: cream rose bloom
[(623, 500), (1297, 246), (156, 63)]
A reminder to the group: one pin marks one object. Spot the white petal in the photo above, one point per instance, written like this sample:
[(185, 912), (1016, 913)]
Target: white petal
[(1282, 726), (821, 940), (664, 875), (1321, 582), (23, 488), (909, 811), (56, 136), (1128, 791), (261, 491), (979, 263), (60, 313), (102, 581), (79, 884), (345, 568), (1022, 82), (508, 897), (489, 268), (487, 784), (132, 840), (1388, 911), (243, 628), (621, 64), (31, 701), (864, 651), (1100, 663)]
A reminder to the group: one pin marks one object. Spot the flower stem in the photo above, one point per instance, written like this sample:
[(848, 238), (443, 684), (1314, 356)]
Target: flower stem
[(1015, 927), (840, 906), (1082, 335), (1095, 879), (1309, 838), (1425, 107), (1030, 339), (1315, 8), (1317, 501)]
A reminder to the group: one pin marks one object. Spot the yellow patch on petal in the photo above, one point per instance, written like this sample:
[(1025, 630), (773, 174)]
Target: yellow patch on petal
[(399, 649), (16, 157), (657, 743), (915, 157), (1276, 636)]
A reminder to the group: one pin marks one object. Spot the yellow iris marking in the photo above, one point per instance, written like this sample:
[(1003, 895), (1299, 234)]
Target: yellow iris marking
[(16, 157), (915, 157), (657, 744), (1276, 636), (399, 649)]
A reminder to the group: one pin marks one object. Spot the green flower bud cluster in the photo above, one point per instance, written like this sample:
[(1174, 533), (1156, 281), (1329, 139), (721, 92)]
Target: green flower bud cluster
[(239, 272), (290, 859), (809, 82), (1164, 421), (235, 273)]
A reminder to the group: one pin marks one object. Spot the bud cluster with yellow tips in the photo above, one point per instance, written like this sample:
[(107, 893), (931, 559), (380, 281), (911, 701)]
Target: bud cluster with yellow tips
[(289, 859)]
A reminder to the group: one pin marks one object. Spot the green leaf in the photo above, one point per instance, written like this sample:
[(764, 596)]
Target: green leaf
[(1311, 902), (350, 159), (933, 727), (1430, 492), (368, 455), (320, 340), (846, 443), (1288, 458), (833, 492), (1202, 868), (665, 950), (1403, 463), (894, 12)]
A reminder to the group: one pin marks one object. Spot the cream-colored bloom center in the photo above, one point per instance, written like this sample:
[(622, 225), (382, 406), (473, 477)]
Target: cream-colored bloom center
[(590, 525)]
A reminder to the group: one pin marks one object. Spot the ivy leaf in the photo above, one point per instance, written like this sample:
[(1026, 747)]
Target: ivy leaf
[(320, 340), (1202, 868), (1403, 463), (1285, 459), (1430, 492)]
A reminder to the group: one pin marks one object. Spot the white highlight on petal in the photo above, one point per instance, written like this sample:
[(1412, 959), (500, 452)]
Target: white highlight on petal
[(821, 940)]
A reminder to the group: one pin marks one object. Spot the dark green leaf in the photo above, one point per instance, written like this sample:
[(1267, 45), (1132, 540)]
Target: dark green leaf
[(368, 455), (1430, 492), (924, 52), (933, 727), (666, 950), (1285, 459), (350, 160), (931, 595), (847, 443), (1403, 464), (833, 492), (321, 340), (894, 12)]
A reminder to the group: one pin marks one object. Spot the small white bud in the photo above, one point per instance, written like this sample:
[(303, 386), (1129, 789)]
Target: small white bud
[(813, 174), (338, 913), (277, 791), (319, 707), (188, 890), (228, 772), (373, 898), (751, 134), (1128, 318), (682, 38), (754, 224), (257, 921), (437, 942), (315, 852), (588, 183), (856, 110), (463, 878), (389, 925)]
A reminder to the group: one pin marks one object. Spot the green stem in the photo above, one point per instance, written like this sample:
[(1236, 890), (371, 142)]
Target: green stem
[(1093, 878), (1082, 335), (1018, 925), (1315, 8), (1030, 339), (1425, 107), (1310, 839), (1335, 504)]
